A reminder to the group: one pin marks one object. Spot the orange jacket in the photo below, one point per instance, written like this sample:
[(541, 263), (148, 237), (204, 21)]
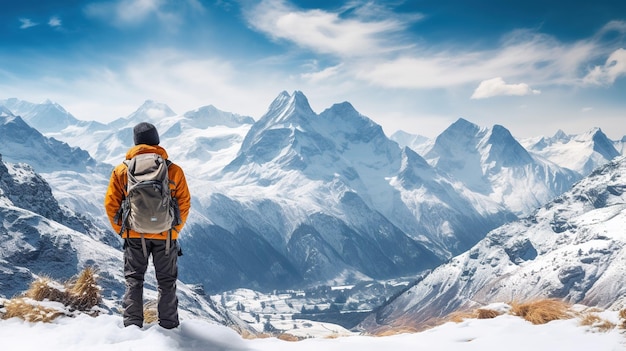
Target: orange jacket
[(117, 191)]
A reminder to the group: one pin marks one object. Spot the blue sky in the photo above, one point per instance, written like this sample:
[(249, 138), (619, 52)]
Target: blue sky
[(531, 66)]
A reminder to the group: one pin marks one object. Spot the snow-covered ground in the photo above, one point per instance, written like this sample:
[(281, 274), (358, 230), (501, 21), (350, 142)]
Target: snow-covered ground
[(505, 332)]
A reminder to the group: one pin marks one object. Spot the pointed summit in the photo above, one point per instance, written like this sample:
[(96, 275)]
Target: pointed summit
[(49, 117), (603, 145), (23, 143), (151, 111), (456, 151), (210, 116), (560, 136), (460, 134), (493, 163), (505, 150), (286, 106), (285, 111)]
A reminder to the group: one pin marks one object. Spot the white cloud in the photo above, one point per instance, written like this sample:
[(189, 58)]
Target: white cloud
[(54, 21), (522, 57), (325, 32), (371, 49), (322, 75), (27, 23), (606, 74), (177, 78), (498, 87)]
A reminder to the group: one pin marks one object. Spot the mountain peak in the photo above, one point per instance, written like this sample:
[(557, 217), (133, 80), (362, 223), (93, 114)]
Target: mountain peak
[(463, 124), (603, 146), (505, 149), (560, 136), (209, 116), (151, 110), (461, 135), (285, 112), (286, 106)]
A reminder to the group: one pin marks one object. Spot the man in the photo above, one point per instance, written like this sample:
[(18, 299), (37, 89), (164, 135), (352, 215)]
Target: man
[(139, 246)]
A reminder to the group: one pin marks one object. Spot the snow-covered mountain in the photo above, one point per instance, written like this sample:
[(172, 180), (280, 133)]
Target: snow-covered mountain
[(335, 198), (46, 117), (491, 162), (416, 142), (300, 198), (581, 153), (573, 248), (42, 238), (22, 143), (578, 152), (71, 170)]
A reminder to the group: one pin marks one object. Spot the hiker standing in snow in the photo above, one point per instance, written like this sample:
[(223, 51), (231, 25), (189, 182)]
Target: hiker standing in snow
[(147, 203)]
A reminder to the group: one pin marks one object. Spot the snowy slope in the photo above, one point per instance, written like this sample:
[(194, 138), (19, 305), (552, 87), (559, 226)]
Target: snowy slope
[(300, 198), (581, 153), (295, 198), (417, 143), (501, 333), (41, 238), (45, 117), (491, 162), (331, 184), (573, 248), (22, 143)]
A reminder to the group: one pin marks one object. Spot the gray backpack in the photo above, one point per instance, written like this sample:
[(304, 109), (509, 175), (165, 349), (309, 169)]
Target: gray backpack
[(148, 206)]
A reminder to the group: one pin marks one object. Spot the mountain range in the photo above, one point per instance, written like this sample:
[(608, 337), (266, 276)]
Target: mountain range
[(573, 248), (299, 198), (41, 238)]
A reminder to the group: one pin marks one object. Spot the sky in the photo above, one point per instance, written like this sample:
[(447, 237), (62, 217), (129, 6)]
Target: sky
[(533, 66), (504, 332)]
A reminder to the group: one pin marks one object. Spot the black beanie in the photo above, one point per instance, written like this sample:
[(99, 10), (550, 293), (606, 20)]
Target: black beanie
[(145, 133)]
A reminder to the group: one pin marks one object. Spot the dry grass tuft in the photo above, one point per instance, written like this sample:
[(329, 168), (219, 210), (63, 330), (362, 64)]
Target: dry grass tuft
[(460, 316), (589, 319), (622, 317), (541, 311), (594, 321), (251, 336), (46, 289), (480, 313), (30, 311), (150, 313), (84, 293), (79, 294), (484, 313), (288, 337)]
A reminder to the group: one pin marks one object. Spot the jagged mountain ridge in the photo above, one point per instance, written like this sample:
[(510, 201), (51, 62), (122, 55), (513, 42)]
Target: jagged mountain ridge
[(21, 143), (328, 180), (581, 153), (291, 230), (22, 187), (47, 116), (300, 197), (573, 248), (492, 162), (39, 238)]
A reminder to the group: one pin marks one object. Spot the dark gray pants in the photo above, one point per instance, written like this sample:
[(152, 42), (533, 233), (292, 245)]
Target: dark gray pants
[(166, 268)]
